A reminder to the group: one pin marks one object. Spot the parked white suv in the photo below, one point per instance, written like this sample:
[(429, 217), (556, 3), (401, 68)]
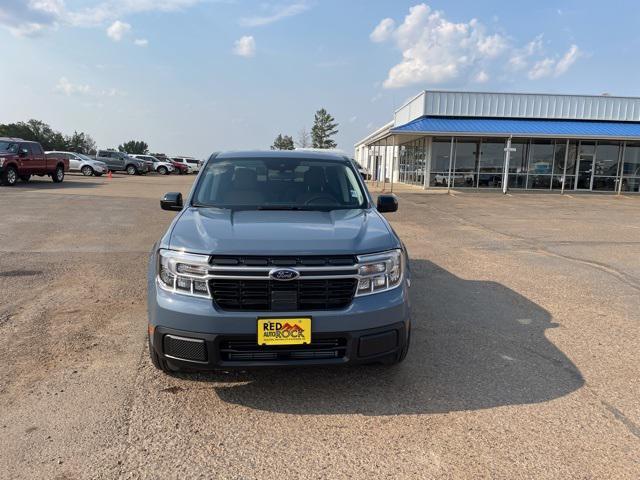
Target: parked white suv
[(81, 163), (193, 164), (163, 168)]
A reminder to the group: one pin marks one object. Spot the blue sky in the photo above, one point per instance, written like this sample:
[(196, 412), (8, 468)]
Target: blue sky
[(196, 76)]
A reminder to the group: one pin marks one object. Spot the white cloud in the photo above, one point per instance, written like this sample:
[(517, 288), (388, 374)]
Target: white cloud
[(69, 89), (276, 13), (481, 77), (141, 42), (118, 30), (567, 60), (66, 87), (555, 67), (436, 50), (383, 30), (33, 17), (29, 18), (245, 46), (520, 57)]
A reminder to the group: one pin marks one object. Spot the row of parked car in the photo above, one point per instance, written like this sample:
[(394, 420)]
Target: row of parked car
[(21, 159), (133, 164)]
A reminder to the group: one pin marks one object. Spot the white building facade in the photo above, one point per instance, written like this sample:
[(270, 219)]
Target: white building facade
[(509, 141)]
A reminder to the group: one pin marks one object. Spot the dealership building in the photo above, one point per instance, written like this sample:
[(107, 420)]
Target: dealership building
[(442, 139)]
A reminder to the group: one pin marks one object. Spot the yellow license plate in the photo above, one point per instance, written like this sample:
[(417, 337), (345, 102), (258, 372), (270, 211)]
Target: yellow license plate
[(284, 331)]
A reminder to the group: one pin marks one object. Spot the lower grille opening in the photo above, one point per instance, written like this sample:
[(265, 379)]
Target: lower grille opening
[(238, 350), (182, 348)]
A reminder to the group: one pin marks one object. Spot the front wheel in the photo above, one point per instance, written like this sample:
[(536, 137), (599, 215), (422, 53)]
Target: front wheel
[(402, 354), (58, 175), (131, 170), (163, 170), (87, 171), (9, 176)]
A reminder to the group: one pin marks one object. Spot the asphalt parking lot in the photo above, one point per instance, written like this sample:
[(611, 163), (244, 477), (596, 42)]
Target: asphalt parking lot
[(524, 360)]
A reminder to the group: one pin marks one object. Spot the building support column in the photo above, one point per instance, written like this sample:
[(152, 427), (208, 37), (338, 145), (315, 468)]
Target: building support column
[(621, 167), (564, 173), (384, 166), (393, 160), (450, 167), (507, 159)]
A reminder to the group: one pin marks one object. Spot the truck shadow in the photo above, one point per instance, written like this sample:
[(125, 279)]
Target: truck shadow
[(69, 182), (475, 345)]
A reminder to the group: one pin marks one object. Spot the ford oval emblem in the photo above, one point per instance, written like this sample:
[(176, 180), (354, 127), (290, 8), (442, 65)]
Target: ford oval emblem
[(284, 274)]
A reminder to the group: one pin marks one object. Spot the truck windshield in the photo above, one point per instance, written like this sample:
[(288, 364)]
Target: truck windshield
[(279, 184), (11, 147)]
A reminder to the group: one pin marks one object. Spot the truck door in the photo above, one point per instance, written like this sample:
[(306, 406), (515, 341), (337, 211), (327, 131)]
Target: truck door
[(39, 161)]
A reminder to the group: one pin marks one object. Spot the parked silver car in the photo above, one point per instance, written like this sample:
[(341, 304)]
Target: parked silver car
[(79, 162), (163, 168)]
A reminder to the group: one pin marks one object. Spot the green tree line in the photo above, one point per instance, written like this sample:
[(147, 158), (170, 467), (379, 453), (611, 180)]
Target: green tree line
[(50, 139)]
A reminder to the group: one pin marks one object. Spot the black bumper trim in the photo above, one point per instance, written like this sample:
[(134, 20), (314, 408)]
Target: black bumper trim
[(362, 346)]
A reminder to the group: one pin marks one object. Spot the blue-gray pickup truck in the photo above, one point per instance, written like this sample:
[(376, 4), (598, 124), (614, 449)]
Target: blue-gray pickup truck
[(278, 258)]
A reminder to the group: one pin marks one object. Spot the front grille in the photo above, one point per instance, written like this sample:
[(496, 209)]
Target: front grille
[(239, 350), (191, 349), (282, 261), (273, 295)]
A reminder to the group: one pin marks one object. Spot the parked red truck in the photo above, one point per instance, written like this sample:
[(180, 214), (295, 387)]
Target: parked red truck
[(20, 159)]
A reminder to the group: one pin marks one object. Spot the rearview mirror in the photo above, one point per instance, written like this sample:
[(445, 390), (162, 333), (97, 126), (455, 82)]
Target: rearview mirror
[(387, 203), (171, 201)]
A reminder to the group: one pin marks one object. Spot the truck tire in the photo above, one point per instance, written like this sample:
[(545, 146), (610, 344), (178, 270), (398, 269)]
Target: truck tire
[(9, 177), (87, 171), (25, 178), (163, 170), (158, 362), (131, 169), (402, 354), (58, 174)]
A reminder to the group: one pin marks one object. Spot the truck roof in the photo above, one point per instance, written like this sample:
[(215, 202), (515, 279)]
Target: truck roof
[(306, 154), (14, 139)]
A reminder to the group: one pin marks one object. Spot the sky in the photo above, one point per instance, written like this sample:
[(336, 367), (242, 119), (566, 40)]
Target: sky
[(191, 77)]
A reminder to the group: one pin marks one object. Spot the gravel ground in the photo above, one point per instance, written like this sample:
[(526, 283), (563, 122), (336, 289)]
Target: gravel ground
[(524, 360)]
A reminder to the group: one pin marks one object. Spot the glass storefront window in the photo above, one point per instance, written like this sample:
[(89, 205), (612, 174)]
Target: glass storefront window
[(518, 163), (466, 162), (541, 164), (491, 163), (605, 167), (631, 168), (440, 152)]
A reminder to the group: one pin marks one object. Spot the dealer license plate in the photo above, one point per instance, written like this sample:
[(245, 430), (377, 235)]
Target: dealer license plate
[(284, 331)]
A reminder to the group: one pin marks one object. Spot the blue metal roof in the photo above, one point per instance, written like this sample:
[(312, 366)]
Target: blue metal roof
[(521, 127)]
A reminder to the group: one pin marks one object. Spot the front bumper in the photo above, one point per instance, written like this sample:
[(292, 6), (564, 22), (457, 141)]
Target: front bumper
[(373, 328)]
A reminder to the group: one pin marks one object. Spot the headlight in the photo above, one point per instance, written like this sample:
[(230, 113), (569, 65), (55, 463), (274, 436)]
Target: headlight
[(380, 272), (183, 273)]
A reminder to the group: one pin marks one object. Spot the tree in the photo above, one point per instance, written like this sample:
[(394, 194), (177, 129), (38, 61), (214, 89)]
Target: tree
[(283, 142), (304, 139), (135, 147), (324, 127), (81, 143)]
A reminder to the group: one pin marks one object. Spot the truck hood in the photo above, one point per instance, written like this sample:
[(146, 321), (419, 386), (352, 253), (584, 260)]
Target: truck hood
[(255, 232)]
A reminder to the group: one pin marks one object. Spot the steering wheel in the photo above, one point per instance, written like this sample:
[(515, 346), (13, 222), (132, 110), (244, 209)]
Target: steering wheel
[(321, 196)]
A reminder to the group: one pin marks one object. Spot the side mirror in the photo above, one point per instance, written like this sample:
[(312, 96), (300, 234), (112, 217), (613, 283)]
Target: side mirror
[(171, 201), (387, 203)]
